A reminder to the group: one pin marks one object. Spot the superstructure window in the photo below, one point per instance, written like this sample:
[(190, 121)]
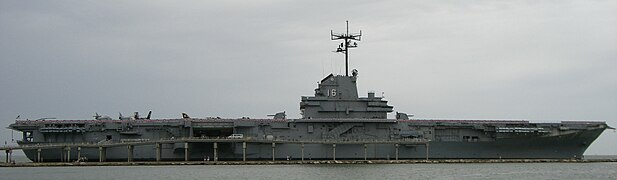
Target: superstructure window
[(28, 136)]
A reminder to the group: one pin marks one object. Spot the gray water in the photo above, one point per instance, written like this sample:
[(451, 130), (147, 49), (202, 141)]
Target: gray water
[(331, 171)]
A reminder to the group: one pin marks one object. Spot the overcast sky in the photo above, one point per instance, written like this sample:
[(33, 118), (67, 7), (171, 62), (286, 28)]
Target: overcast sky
[(543, 61)]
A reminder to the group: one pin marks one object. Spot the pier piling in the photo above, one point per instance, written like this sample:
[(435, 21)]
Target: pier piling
[(130, 153), (38, 155), (216, 154), (186, 151), (302, 149), (426, 151), (243, 151), (333, 151), (68, 154), (273, 146), (396, 152), (365, 154), (78, 153), (102, 153), (158, 152)]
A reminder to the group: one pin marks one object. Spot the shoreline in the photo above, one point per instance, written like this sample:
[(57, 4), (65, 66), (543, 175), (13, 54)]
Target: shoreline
[(299, 162)]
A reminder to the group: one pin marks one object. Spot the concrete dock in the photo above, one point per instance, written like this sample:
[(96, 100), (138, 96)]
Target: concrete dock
[(292, 162)]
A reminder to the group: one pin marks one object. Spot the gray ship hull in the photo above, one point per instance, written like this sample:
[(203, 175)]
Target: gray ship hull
[(551, 147)]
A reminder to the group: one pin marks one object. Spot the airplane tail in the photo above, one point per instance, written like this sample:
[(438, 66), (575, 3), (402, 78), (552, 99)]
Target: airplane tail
[(185, 116)]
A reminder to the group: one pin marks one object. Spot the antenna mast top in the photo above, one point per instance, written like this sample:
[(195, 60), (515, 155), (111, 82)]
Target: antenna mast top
[(344, 46)]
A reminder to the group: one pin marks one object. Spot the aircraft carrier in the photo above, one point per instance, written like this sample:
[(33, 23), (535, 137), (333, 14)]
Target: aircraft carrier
[(336, 123)]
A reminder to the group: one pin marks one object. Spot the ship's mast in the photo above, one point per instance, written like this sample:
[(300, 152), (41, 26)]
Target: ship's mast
[(344, 47)]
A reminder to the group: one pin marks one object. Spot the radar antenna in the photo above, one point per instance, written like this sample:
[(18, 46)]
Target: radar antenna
[(344, 47)]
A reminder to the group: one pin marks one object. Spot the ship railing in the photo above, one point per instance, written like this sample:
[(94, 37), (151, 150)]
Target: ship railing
[(250, 139), (521, 130), (583, 122), (41, 121), (505, 121), (47, 145)]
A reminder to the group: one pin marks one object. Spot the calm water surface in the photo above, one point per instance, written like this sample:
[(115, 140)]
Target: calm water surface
[(333, 171)]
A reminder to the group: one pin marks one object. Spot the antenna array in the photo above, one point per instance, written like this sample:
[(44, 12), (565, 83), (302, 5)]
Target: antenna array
[(344, 46)]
